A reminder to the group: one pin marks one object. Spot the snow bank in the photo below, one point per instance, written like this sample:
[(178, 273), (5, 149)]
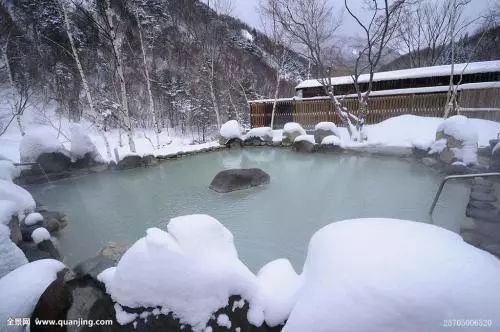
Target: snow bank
[(7, 210), (308, 138), (37, 142), (264, 133), (40, 234), (392, 275), (331, 140), (20, 197), (81, 144), (33, 218), (190, 270), (8, 171), (293, 127), (11, 257), (277, 287), (328, 126), (22, 288), (231, 129)]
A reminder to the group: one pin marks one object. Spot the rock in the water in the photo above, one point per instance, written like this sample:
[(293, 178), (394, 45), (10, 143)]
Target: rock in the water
[(482, 189), (92, 267), (488, 229), (132, 161), (493, 249), (291, 131), (481, 205), (483, 197), (27, 230), (482, 182), (472, 238), (54, 162), (489, 215), (303, 146), (113, 251), (325, 129), (420, 153), (15, 230), (86, 161), (238, 179), (49, 247), (149, 160), (234, 143), (428, 161)]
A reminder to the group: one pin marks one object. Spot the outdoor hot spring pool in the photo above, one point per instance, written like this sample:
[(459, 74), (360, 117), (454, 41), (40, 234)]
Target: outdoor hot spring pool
[(306, 192)]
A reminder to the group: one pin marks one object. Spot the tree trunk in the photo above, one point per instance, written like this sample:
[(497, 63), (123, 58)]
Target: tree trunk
[(212, 91), (15, 102), (117, 44), (148, 85)]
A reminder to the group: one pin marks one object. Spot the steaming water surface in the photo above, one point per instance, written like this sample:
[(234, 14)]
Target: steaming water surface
[(307, 191)]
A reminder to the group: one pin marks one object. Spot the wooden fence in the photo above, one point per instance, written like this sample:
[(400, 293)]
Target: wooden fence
[(308, 112)]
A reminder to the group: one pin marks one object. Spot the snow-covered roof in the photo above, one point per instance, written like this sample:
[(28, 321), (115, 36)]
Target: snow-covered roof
[(392, 92), (471, 68)]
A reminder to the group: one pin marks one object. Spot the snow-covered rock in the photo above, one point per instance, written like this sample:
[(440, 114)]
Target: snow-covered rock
[(191, 270), (331, 140), (230, 130), (291, 130), (35, 143), (40, 234), (461, 140), (33, 218), (277, 287), (11, 257), (392, 275), (7, 210), (304, 143), (265, 134), (22, 199), (82, 145), (21, 289), (324, 129), (8, 171)]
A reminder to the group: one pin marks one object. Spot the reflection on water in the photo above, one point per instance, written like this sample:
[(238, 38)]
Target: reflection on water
[(307, 191)]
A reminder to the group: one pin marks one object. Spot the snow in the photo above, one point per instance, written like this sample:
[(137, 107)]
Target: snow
[(33, 218), (386, 275), (331, 140), (471, 68), (293, 127), (22, 288), (307, 138), (40, 234), (277, 287), (198, 255), (247, 35), (230, 129), (223, 321), (277, 135), (11, 257), (328, 126), (7, 210), (8, 171), (460, 128), (438, 146), (37, 142), (81, 143), (123, 317), (22, 199), (265, 133)]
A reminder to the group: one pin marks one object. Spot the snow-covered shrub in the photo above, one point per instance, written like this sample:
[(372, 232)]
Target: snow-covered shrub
[(291, 130), (392, 275), (81, 144), (8, 171), (461, 140), (33, 218), (263, 133), (324, 129), (230, 130), (190, 270), (34, 144)]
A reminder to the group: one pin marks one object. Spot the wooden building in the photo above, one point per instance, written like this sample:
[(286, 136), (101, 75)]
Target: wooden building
[(419, 91)]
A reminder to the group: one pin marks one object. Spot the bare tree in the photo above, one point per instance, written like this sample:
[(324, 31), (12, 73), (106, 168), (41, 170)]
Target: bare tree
[(311, 25), (378, 32)]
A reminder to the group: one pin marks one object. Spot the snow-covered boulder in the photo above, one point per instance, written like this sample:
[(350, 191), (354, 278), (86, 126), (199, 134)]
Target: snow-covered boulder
[(324, 129), (304, 143), (392, 275), (22, 288), (22, 199), (36, 143), (33, 218), (258, 135), (290, 131), (190, 270), (83, 150), (230, 130), (8, 171), (11, 257), (456, 140), (238, 179)]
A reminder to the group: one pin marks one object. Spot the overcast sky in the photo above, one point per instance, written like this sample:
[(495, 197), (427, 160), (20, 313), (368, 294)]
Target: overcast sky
[(246, 10)]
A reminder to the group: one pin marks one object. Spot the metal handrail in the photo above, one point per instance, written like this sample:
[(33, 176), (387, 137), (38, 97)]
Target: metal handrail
[(451, 177)]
